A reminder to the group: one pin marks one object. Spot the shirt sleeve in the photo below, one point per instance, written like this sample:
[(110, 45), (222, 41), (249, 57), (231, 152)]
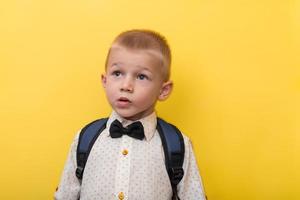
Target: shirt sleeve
[(190, 187), (69, 186)]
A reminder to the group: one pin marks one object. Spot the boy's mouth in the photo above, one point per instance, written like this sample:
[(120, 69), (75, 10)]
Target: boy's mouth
[(124, 99), (123, 102)]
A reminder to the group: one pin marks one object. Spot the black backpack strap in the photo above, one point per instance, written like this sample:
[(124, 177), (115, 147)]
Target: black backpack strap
[(173, 145), (87, 138)]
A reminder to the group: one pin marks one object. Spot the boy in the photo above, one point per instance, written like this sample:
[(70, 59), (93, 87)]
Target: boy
[(123, 167)]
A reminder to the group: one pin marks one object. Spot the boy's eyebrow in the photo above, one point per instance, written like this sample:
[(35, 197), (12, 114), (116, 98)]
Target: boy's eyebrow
[(116, 63), (144, 68)]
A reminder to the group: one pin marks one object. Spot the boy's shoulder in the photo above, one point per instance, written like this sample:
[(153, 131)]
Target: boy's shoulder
[(185, 137), (76, 137)]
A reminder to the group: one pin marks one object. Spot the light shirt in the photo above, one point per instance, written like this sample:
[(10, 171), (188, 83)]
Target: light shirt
[(128, 168)]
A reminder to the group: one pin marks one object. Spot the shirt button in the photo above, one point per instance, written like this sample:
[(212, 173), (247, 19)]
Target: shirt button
[(125, 152), (121, 195)]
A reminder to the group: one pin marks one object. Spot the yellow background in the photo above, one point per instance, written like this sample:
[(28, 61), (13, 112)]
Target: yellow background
[(236, 70)]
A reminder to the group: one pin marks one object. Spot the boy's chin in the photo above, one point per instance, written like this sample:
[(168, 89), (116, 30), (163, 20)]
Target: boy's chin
[(132, 116)]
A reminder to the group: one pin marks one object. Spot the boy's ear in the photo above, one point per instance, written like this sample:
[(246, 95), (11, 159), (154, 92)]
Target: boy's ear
[(103, 80), (165, 90)]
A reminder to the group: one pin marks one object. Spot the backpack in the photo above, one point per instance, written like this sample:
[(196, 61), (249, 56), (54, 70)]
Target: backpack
[(172, 142)]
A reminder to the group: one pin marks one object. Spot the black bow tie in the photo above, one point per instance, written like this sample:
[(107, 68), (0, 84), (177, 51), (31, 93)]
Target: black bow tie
[(135, 130)]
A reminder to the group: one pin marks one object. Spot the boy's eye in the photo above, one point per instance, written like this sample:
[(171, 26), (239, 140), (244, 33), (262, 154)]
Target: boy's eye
[(142, 76), (116, 73)]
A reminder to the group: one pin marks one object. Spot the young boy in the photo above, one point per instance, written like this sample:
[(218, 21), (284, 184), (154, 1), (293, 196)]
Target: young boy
[(123, 167)]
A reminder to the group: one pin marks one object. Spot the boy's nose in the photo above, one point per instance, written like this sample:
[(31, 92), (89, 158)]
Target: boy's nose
[(127, 85)]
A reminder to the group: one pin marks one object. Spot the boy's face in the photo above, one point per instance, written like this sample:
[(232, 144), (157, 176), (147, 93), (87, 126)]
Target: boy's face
[(133, 82)]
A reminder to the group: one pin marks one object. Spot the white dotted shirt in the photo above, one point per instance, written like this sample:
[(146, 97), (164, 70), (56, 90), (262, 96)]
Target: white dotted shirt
[(128, 168)]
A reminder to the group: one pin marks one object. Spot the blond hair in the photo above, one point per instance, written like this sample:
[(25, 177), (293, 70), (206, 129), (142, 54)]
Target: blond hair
[(141, 39)]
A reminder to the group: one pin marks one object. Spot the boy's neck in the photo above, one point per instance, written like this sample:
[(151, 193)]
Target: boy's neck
[(127, 121)]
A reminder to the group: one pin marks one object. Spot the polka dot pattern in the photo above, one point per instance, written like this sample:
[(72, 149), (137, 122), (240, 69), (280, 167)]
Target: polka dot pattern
[(139, 174)]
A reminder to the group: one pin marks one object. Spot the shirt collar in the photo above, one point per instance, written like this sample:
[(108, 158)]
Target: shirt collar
[(149, 123)]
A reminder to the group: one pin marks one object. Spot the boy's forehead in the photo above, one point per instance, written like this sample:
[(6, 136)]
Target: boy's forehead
[(152, 52), (137, 57), (121, 58)]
